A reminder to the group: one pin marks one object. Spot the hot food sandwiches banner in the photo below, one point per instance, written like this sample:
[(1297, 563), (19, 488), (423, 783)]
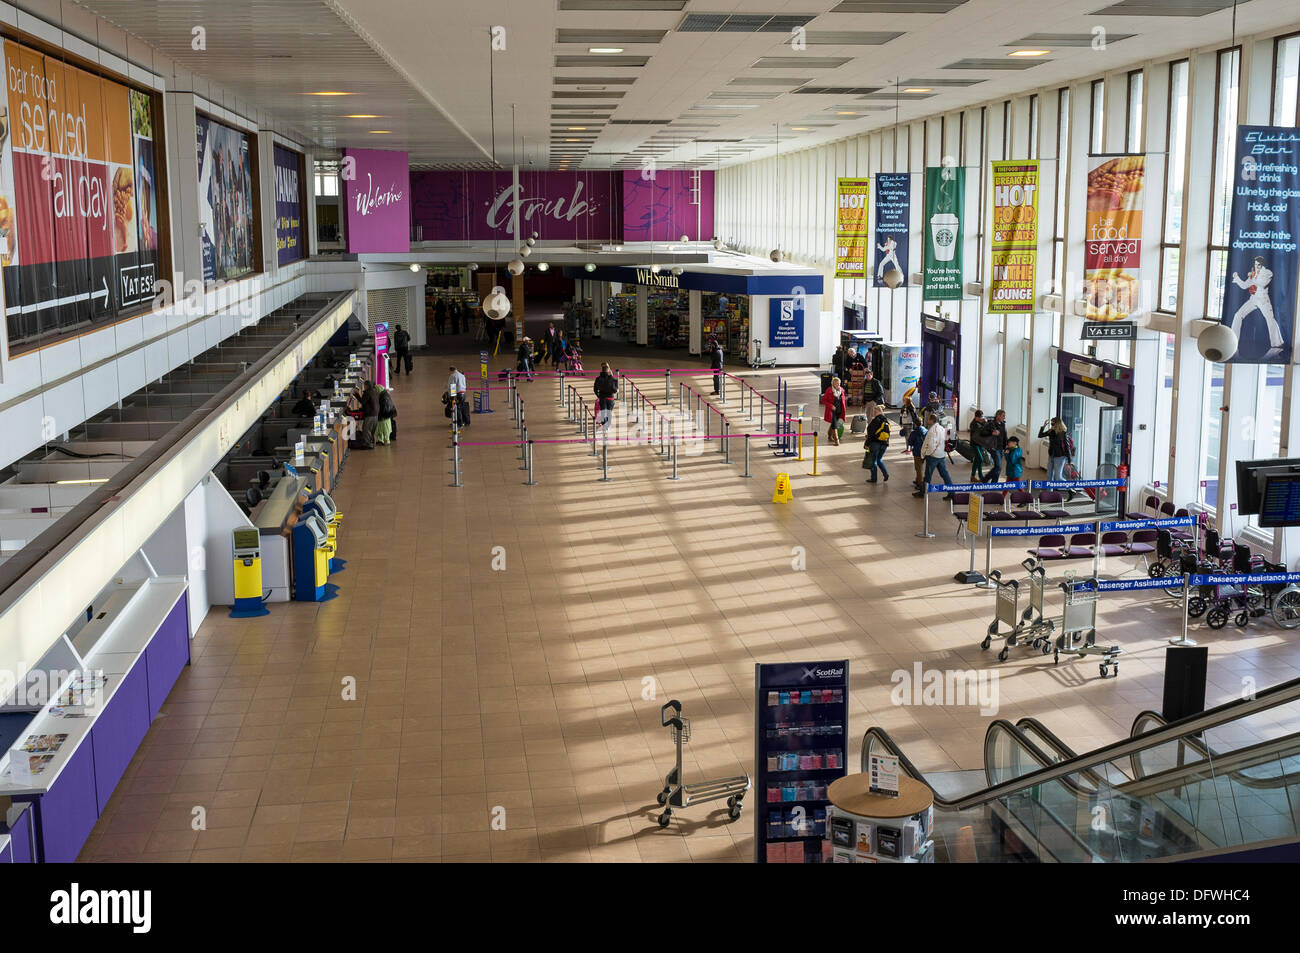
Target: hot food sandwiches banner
[(1259, 294), (377, 193), (227, 219), (1112, 240), (566, 206), (78, 211)]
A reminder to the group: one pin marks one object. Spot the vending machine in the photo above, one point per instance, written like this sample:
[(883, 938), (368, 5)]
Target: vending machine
[(899, 369)]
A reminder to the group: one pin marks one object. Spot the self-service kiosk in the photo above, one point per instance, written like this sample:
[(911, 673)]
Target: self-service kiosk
[(323, 506), (311, 556), (249, 596)]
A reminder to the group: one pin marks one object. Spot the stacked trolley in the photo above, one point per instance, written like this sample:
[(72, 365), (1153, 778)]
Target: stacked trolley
[(1030, 627), (1079, 621)]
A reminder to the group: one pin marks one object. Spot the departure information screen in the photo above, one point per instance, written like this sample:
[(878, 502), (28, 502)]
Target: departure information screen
[(1280, 505)]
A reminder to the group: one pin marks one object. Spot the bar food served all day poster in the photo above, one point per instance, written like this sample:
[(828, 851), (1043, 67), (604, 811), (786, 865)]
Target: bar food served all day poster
[(1112, 240), (852, 196), (1013, 254), (78, 208), (1259, 295), (945, 202), (893, 224)]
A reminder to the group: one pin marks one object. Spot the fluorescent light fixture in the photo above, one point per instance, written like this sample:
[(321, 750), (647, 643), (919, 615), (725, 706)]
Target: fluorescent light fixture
[(800, 128), (1029, 53), (80, 482), (577, 128), (328, 92), (381, 132), (918, 89), (604, 49), (363, 116)]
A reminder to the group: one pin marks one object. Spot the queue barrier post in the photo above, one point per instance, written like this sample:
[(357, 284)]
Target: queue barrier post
[(455, 461), (530, 481), (799, 439), (604, 461), (814, 443), (561, 398), (988, 582), (747, 475), (523, 447), (708, 422), (1185, 642), (726, 441), (668, 384), (672, 451), (594, 428), (925, 533)]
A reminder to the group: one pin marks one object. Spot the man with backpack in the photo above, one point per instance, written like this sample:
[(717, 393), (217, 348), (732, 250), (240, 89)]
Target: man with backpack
[(606, 388), (715, 362), (401, 350), (876, 444)]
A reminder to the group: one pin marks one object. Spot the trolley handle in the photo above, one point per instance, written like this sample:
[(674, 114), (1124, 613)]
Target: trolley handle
[(676, 720)]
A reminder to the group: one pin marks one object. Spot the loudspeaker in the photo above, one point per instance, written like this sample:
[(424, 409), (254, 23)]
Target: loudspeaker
[(1185, 669)]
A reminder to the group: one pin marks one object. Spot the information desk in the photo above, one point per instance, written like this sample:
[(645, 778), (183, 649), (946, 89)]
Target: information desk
[(867, 828), (140, 644)]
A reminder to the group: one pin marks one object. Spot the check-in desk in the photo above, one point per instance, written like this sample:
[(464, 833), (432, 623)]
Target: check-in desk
[(274, 521), (139, 642)]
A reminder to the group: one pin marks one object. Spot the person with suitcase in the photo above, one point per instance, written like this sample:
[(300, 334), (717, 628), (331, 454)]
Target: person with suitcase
[(835, 402), (606, 388), (978, 425)]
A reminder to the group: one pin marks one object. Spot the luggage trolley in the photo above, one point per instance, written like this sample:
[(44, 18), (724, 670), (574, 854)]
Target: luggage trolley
[(1080, 620), (1028, 627), (676, 793)]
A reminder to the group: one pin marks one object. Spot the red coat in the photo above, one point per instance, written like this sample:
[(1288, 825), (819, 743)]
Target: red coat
[(829, 402)]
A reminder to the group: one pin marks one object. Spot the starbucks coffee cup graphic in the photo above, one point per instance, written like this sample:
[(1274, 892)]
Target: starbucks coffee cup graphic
[(943, 235)]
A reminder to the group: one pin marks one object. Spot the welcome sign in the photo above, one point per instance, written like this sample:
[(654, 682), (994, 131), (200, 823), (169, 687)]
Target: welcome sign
[(377, 193)]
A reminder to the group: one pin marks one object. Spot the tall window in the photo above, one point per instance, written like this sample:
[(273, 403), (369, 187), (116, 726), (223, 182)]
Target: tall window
[(1164, 408), (1033, 126), (1225, 146), (1097, 132), (984, 157), (1286, 78), (1133, 136), (1062, 163), (1211, 420), (1171, 232)]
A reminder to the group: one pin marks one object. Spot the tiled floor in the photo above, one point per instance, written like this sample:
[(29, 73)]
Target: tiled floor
[(514, 714)]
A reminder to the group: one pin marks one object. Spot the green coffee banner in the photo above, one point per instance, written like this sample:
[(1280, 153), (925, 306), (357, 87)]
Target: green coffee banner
[(945, 203)]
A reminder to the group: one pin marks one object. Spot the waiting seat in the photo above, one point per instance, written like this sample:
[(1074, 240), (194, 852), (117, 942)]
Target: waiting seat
[(995, 510), (1114, 543), (959, 506), (1022, 506), (1051, 505), (1150, 508), (1082, 546), (1143, 542), (1051, 546)]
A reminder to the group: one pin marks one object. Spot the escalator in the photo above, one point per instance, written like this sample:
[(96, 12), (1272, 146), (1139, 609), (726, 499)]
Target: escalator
[(1225, 779)]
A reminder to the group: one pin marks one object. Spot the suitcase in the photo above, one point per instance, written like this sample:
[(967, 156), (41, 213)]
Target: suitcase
[(859, 423)]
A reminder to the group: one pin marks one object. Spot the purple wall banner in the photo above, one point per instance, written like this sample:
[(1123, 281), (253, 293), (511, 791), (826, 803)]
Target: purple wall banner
[(377, 193), (470, 206), (667, 206), (288, 205)]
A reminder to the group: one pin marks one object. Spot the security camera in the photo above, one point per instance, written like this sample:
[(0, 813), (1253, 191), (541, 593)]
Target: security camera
[(1217, 343)]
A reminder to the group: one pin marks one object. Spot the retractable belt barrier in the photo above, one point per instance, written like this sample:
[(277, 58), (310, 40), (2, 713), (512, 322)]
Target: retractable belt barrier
[(1244, 579), (947, 488)]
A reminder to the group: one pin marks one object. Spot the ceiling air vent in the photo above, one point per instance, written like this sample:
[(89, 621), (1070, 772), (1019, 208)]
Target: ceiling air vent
[(837, 90), (800, 62), (1037, 40), (741, 22), (600, 62), (609, 37), (1008, 63), (848, 38), (1164, 8), (898, 6), (634, 6)]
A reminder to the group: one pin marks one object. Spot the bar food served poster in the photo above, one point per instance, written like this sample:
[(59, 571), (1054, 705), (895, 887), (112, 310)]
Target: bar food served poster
[(945, 202), (1259, 295), (1013, 252), (852, 196), (1112, 241), (78, 211), (893, 225)]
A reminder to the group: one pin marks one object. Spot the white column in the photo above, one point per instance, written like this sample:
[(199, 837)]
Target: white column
[(183, 193), (642, 314), (695, 343)]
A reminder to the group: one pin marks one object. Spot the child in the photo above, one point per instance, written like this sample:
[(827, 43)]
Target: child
[(1015, 459), (915, 440)]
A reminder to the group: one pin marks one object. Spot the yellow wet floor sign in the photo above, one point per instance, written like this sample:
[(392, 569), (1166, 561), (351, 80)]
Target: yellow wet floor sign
[(783, 493)]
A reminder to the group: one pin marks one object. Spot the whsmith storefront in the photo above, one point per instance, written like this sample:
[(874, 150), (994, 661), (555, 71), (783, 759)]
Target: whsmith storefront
[(777, 312)]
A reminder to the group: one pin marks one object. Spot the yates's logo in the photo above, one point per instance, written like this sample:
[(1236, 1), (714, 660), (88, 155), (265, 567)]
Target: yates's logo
[(644, 276)]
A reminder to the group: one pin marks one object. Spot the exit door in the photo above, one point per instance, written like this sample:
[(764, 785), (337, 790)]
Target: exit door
[(1097, 427)]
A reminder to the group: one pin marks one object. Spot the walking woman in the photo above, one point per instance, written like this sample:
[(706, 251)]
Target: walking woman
[(1058, 448), (835, 402), (877, 443)]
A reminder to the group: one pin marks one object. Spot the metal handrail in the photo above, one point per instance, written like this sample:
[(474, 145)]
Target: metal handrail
[(1205, 752), (1173, 731)]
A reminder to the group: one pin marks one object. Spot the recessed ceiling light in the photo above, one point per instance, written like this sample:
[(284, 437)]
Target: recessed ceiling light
[(363, 116), (1029, 53), (577, 128), (801, 129), (327, 92), (605, 49), (918, 89), (845, 113), (381, 132)]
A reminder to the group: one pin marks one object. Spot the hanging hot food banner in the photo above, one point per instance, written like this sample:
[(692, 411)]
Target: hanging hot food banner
[(1112, 241), (1013, 260)]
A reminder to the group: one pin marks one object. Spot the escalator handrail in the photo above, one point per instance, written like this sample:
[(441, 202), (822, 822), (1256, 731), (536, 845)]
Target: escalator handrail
[(1031, 746), (1223, 765), (1064, 750), (1173, 731), (1201, 748)]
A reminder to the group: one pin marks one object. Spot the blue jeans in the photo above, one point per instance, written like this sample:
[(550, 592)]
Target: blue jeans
[(995, 471), (878, 448), (936, 463), (1056, 468)]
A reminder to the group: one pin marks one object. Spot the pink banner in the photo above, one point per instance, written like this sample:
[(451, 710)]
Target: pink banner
[(466, 206), (377, 193), (667, 206)]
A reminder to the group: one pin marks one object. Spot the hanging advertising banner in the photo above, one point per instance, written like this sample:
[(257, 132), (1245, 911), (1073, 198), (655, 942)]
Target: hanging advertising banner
[(78, 207), (227, 218), (1112, 240), (1013, 254), (852, 196), (288, 205), (1259, 297), (893, 225), (377, 195), (945, 202)]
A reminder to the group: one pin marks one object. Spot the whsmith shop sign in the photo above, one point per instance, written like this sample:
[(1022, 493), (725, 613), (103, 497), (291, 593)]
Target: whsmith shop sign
[(786, 286)]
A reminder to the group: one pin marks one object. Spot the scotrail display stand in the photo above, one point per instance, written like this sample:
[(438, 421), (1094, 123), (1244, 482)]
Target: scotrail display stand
[(869, 828), (247, 546), (800, 747), (311, 556)]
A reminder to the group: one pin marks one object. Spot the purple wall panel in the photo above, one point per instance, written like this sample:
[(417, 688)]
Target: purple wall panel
[(167, 654), (659, 209), (20, 839), (475, 206), (68, 811), (118, 732)]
